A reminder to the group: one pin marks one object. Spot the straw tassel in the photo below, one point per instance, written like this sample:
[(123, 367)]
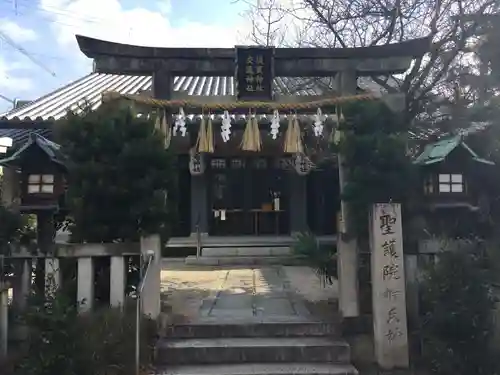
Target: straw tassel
[(202, 136), (249, 140), (293, 136), (298, 135), (257, 141), (166, 130), (209, 142)]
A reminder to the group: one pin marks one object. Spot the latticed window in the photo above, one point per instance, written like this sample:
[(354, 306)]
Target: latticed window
[(237, 163), (218, 163), (451, 183), (40, 183)]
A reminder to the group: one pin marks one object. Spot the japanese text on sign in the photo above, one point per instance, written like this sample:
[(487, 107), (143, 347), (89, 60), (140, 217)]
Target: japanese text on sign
[(389, 302), (255, 73), (391, 272)]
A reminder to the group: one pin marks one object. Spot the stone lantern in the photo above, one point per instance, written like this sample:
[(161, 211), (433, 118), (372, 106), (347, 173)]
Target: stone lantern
[(41, 171)]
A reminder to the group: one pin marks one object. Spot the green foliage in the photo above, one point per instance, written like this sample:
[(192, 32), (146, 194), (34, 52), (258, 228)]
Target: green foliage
[(321, 258), (119, 175), (380, 170), (457, 307), (60, 341)]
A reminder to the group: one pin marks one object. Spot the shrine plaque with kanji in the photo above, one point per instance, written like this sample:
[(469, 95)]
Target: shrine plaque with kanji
[(254, 73)]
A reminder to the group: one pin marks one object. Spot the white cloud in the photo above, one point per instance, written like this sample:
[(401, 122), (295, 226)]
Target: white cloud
[(165, 6), (12, 82), (107, 19), (16, 32)]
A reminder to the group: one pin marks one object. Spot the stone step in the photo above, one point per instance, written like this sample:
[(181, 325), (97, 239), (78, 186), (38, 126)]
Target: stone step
[(262, 369), (248, 350), (271, 329), (247, 251), (244, 261)]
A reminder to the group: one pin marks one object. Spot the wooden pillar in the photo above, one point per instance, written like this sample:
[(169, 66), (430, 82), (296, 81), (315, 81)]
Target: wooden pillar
[(85, 284), (298, 203), (117, 281), (347, 243)]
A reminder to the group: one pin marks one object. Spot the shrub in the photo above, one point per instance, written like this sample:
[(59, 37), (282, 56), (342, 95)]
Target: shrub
[(322, 258), (457, 312), (120, 176), (61, 341)]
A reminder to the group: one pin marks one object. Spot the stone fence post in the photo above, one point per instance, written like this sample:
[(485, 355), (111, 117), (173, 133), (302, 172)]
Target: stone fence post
[(152, 287)]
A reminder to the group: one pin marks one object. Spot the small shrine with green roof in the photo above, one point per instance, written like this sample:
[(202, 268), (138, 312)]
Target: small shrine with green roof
[(454, 176)]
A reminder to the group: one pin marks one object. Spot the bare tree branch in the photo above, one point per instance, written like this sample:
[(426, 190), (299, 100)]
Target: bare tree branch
[(355, 23)]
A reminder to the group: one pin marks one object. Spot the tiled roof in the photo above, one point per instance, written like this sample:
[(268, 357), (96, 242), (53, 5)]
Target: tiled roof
[(89, 89), (21, 135), (438, 151), (53, 150)]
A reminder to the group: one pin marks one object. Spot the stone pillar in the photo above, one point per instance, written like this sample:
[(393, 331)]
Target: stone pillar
[(388, 287), (199, 204), (85, 284), (21, 290), (152, 286), (22, 284), (4, 322), (347, 245), (298, 203), (52, 275), (117, 281)]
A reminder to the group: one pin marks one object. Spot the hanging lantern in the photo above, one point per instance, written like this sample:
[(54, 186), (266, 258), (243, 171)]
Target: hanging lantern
[(180, 123), (225, 129), (275, 124), (302, 164), (196, 163)]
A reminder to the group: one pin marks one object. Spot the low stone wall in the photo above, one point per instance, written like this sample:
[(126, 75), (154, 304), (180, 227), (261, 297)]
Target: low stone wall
[(85, 255)]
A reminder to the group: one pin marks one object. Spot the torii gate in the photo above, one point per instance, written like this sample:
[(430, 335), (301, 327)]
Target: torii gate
[(345, 64)]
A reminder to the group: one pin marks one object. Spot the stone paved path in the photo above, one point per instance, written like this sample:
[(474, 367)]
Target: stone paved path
[(236, 294)]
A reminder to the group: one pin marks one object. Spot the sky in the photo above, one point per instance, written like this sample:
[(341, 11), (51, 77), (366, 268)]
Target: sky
[(46, 30)]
